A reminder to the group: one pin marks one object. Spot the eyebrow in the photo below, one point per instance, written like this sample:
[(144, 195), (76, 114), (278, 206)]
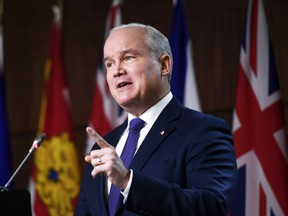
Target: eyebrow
[(134, 51)]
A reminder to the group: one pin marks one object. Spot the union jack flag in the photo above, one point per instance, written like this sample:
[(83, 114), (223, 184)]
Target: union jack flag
[(258, 125), (105, 114)]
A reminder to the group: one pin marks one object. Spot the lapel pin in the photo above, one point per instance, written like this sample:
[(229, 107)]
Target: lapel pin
[(162, 133)]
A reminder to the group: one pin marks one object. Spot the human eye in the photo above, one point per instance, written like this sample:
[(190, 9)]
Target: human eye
[(128, 57), (108, 64)]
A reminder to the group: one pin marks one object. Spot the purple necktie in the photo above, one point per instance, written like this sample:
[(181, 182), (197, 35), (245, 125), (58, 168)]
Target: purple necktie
[(136, 125)]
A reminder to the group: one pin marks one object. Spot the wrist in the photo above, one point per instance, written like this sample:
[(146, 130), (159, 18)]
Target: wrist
[(126, 180)]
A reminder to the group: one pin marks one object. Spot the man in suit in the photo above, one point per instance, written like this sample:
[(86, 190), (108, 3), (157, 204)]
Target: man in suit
[(184, 162)]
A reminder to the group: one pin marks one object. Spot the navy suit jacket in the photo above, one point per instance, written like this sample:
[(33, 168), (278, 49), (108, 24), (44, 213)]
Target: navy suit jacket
[(186, 165)]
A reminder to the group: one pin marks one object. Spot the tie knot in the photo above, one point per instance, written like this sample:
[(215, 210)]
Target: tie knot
[(136, 124)]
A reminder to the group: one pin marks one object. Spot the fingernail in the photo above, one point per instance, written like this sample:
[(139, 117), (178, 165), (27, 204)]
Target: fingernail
[(90, 130)]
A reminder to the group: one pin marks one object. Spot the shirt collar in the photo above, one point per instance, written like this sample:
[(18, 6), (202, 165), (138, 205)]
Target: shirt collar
[(150, 115)]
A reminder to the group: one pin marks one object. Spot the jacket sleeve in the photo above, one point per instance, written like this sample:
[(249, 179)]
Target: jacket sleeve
[(82, 208)]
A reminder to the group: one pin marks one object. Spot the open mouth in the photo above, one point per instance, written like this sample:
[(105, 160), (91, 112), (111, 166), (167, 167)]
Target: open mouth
[(123, 84)]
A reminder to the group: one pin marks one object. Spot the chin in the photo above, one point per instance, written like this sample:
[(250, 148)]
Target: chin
[(125, 103)]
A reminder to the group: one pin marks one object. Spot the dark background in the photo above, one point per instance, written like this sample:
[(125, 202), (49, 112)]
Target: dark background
[(215, 28)]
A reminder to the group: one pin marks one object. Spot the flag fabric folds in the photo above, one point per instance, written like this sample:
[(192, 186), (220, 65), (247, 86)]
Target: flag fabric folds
[(258, 125), (55, 177), (5, 154), (183, 83), (106, 113)]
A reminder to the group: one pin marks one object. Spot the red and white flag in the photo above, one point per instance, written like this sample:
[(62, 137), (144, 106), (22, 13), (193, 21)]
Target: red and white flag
[(258, 125), (106, 113), (55, 180)]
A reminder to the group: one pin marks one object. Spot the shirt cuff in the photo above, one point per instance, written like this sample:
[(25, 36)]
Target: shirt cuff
[(125, 192)]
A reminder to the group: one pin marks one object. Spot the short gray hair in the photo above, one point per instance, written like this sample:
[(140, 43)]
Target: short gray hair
[(156, 41)]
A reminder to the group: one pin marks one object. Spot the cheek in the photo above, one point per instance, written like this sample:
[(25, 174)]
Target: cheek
[(109, 79), (153, 77)]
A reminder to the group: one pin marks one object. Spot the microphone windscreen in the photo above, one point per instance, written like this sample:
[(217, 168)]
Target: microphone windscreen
[(40, 139)]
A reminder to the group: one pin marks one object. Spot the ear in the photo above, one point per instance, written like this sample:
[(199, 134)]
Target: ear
[(166, 65)]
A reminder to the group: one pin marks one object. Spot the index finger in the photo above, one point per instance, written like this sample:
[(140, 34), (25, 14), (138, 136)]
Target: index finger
[(102, 143)]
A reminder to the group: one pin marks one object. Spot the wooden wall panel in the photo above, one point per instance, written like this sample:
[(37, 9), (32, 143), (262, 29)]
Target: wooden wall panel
[(215, 27)]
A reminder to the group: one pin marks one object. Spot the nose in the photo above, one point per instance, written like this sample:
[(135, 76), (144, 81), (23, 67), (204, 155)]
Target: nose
[(119, 70)]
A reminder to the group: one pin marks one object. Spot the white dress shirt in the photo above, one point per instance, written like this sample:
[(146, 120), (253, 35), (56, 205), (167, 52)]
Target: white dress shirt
[(149, 116)]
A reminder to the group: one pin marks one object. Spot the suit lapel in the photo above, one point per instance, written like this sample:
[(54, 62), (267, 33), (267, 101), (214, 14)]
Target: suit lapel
[(160, 130), (113, 137)]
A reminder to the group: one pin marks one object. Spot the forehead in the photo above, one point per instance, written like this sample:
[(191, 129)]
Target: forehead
[(124, 39)]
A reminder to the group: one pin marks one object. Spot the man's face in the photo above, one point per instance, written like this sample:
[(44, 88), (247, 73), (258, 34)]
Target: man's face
[(133, 74)]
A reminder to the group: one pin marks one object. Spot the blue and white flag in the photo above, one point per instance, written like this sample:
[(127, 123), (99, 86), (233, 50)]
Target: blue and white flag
[(183, 81), (5, 159)]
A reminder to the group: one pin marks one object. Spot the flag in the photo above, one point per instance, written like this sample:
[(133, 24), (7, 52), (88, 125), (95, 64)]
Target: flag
[(5, 154), (183, 83), (55, 178), (258, 125), (106, 113)]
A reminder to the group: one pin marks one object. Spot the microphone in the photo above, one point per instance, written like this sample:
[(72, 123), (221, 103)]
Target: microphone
[(35, 145)]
